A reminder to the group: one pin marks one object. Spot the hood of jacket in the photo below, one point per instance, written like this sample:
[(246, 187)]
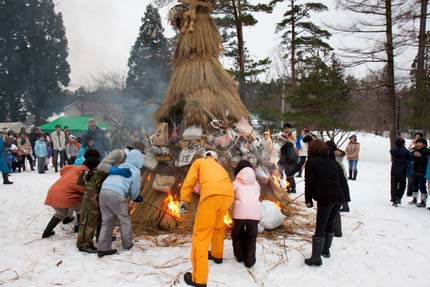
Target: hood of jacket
[(246, 176), (135, 158)]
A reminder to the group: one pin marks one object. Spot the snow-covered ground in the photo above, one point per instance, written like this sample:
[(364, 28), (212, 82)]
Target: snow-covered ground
[(381, 246)]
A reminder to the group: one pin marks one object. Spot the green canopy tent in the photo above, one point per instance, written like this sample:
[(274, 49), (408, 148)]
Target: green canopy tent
[(75, 124)]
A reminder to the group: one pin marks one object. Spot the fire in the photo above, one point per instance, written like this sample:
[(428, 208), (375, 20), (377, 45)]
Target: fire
[(173, 206), (228, 220), (148, 178), (284, 184), (278, 204)]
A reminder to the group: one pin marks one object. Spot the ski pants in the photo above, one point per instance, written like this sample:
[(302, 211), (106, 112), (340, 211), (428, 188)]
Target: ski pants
[(398, 186), (208, 230), (326, 213), (114, 205), (244, 237)]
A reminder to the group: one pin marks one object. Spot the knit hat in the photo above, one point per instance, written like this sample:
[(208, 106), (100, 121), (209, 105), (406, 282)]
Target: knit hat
[(91, 162), (211, 153), (92, 153), (137, 145), (241, 165), (353, 137)]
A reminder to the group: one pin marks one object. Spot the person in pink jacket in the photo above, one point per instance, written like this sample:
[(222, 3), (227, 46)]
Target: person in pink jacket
[(246, 213)]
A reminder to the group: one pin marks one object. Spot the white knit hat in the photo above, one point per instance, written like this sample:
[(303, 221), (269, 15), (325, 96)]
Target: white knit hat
[(211, 153)]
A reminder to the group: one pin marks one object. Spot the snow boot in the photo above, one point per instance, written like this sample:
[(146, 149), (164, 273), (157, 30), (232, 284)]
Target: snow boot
[(350, 174), (414, 199), (188, 278), (68, 219), (317, 248), (345, 207), (56, 168), (49, 230), (90, 249), (107, 252), (395, 204), (354, 174), (327, 244), (216, 260), (6, 178), (423, 202)]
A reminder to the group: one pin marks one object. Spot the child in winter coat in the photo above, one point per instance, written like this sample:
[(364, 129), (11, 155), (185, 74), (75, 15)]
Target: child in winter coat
[(41, 151), (72, 149), (16, 158), (65, 195), (114, 203), (246, 214), (420, 156)]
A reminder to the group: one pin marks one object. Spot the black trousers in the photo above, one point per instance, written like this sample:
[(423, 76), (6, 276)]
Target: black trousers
[(326, 213), (300, 164), (30, 160), (62, 155), (410, 185), (398, 186), (244, 236)]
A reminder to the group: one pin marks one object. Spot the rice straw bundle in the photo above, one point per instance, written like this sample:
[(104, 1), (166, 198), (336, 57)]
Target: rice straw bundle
[(198, 76)]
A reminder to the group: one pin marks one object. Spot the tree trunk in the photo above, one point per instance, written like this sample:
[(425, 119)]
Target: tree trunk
[(394, 126), (237, 12), (420, 73), (293, 51)]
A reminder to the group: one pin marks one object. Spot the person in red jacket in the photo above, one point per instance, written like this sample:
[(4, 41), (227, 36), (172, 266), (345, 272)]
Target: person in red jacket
[(65, 194)]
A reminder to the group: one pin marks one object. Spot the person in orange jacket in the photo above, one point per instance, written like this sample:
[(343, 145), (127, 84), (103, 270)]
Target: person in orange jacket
[(216, 197), (65, 195)]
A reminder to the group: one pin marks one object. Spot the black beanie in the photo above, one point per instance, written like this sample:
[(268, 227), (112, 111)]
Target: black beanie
[(92, 153), (91, 162), (241, 165)]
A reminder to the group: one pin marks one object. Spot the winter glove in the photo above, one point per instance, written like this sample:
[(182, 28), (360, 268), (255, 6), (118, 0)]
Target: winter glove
[(125, 172), (309, 204), (138, 199), (183, 208)]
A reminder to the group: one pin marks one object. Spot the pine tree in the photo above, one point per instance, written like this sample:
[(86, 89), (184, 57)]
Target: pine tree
[(322, 100), (302, 38), (34, 65), (149, 61), (232, 16)]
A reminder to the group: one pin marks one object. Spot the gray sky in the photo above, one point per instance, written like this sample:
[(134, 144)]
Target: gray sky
[(101, 33)]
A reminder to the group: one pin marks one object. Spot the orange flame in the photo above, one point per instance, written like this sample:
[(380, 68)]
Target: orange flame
[(278, 204), (173, 206), (277, 181), (228, 220)]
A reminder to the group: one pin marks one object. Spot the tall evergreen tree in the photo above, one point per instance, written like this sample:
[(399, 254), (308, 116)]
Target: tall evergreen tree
[(300, 37), (33, 65), (322, 100), (149, 61), (232, 16)]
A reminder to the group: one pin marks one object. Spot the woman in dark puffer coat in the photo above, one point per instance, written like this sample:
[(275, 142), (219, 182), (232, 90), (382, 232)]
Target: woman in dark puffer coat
[(326, 184)]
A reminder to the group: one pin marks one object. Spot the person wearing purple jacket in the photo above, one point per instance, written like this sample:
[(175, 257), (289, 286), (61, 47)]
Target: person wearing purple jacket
[(246, 213)]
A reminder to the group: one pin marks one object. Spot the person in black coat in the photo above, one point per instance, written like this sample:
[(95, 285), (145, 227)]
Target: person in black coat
[(420, 154), (326, 184), (288, 162), (400, 160)]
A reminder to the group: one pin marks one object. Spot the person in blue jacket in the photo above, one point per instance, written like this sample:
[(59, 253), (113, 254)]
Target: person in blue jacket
[(3, 165), (41, 152), (114, 203), (400, 169)]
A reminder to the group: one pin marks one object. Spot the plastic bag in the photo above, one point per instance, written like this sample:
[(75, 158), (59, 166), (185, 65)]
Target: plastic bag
[(271, 215)]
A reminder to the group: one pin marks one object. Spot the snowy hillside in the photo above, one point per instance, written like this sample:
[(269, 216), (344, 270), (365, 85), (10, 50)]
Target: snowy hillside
[(381, 246)]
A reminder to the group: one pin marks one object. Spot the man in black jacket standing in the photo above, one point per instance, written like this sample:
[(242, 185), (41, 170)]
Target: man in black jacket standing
[(400, 160), (96, 139)]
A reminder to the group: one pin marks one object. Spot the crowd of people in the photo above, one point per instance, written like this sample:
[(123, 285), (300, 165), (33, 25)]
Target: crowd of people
[(99, 185)]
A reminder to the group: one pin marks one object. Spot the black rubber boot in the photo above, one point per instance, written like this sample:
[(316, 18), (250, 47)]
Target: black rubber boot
[(6, 178), (216, 260), (188, 278), (327, 244), (78, 219), (345, 207), (354, 175), (90, 249), (350, 174), (107, 252), (49, 230), (337, 225), (56, 168), (317, 248), (68, 219)]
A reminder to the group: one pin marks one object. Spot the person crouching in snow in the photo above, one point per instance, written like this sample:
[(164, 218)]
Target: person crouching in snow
[(65, 194), (325, 183), (246, 213), (216, 197), (114, 203)]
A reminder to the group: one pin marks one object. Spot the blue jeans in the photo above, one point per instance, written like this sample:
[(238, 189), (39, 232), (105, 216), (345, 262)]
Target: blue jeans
[(352, 164)]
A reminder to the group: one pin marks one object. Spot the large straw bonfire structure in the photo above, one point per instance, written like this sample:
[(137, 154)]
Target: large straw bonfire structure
[(200, 94)]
